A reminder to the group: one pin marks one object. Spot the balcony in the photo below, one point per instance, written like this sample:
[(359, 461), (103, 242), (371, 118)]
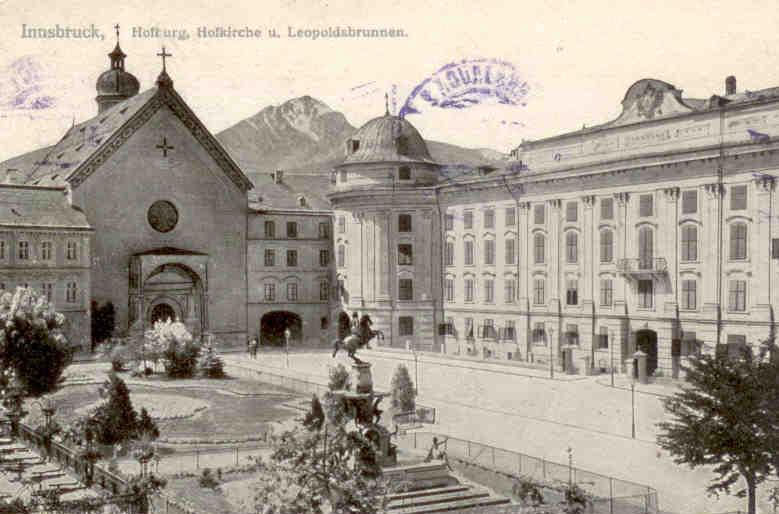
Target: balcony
[(642, 267)]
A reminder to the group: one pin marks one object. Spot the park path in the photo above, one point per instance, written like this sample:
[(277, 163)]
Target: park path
[(525, 411)]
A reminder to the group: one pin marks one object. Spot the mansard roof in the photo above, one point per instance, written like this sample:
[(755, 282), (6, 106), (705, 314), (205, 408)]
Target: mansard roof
[(85, 146), (286, 194)]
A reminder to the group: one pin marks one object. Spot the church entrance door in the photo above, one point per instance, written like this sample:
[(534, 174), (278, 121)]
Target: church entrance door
[(162, 312)]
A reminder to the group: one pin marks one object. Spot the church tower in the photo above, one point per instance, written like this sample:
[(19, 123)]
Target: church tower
[(115, 85), (388, 254)]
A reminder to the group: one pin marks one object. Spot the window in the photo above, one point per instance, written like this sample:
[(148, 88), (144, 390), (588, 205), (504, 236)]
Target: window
[(645, 293), (292, 258), (645, 248), (404, 173), (449, 220), (738, 198), (323, 323), (645, 206), (489, 218), (571, 247), (689, 294), (510, 330), (48, 290), (511, 216), (468, 289), (406, 326), (511, 244), (571, 211), (292, 229), (46, 250), (324, 230), (538, 249), (2, 249), (468, 247), (572, 334), (449, 287), (509, 290), (24, 250), (488, 329), (270, 257), (353, 145), (270, 292), (469, 328), (606, 246), (324, 290), (572, 292), (538, 214), (405, 255), (602, 339), (689, 202), (404, 223), (324, 258), (71, 251), (689, 243), (736, 345), (737, 297), (489, 290), (341, 288), (489, 252), (341, 224), (468, 220), (449, 253), (539, 333), (607, 209), (606, 292), (341, 257), (405, 289), (538, 291), (292, 292), (70, 292), (270, 229), (738, 241), (446, 328)]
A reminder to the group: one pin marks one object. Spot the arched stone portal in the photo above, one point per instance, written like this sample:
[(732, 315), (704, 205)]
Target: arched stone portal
[(162, 312), (646, 341), (273, 324)]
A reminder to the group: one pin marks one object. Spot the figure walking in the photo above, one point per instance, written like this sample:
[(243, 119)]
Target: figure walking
[(438, 452)]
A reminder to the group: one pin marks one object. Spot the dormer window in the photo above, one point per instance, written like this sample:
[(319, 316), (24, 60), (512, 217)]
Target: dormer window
[(301, 201), (404, 173), (352, 145)]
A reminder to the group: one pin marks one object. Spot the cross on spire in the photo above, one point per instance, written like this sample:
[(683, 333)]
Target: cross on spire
[(164, 54), (386, 104), (116, 27), (164, 146)]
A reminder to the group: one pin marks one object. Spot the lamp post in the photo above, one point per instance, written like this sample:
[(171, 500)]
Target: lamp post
[(611, 351), (570, 467), (551, 353), (633, 407), (287, 335)]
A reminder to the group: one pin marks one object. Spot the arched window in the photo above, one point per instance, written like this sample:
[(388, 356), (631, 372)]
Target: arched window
[(571, 247), (645, 248), (689, 243), (606, 246), (539, 249), (738, 241)]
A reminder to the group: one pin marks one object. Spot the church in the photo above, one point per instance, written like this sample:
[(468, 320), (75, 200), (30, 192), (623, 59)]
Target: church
[(138, 206)]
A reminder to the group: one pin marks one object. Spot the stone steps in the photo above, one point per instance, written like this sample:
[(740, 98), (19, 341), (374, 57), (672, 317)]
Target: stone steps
[(453, 505)]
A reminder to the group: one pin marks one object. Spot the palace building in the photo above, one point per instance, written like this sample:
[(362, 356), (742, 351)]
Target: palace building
[(656, 231)]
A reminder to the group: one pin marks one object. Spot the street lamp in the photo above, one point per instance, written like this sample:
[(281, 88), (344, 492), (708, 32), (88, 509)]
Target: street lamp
[(633, 405), (611, 351), (570, 467), (551, 353), (287, 335)]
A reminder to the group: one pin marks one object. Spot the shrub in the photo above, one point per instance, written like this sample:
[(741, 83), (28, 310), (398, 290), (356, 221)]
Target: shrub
[(147, 426), (34, 345), (115, 420), (208, 480), (528, 492), (181, 353), (403, 394), (211, 365)]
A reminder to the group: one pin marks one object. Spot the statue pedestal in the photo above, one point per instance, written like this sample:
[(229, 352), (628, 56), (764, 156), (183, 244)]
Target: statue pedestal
[(364, 378)]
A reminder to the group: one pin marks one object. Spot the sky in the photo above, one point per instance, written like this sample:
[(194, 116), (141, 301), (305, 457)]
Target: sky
[(576, 58)]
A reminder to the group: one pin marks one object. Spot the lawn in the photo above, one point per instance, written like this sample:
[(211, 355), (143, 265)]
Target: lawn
[(231, 497)]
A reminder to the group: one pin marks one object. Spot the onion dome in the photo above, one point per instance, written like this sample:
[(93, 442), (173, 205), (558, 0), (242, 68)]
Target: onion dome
[(115, 84)]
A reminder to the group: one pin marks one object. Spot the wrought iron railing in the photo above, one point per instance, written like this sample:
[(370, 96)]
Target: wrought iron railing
[(655, 265)]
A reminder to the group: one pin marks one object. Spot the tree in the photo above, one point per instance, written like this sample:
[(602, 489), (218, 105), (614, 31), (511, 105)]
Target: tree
[(181, 351), (724, 418), (31, 340), (115, 420), (211, 365), (403, 394)]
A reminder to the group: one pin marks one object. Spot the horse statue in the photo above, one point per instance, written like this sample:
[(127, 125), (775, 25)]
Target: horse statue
[(358, 339)]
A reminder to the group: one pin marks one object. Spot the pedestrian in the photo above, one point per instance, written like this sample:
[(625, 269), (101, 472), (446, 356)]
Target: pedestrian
[(255, 347), (249, 346)]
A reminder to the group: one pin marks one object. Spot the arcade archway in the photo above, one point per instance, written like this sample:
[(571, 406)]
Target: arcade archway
[(273, 324)]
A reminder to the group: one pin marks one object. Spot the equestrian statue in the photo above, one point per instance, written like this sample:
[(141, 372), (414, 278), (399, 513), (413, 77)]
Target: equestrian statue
[(355, 334)]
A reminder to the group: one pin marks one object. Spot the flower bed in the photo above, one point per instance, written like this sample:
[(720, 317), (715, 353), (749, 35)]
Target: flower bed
[(161, 407)]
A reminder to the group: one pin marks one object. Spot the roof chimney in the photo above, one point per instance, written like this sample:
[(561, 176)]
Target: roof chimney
[(730, 85), (277, 176)]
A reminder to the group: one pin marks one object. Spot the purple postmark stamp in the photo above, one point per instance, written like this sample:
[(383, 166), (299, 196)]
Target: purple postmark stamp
[(22, 86), (470, 82)]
